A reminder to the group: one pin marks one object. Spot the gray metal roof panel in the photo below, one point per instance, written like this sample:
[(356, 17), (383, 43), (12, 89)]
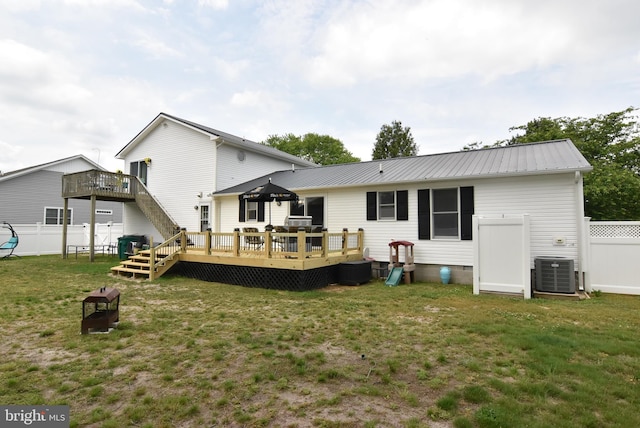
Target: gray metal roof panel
[(522, 159)]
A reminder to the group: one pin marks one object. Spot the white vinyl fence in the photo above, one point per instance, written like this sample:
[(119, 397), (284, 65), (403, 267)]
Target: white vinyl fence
[(38, 239), (614, 257), (501, 255)]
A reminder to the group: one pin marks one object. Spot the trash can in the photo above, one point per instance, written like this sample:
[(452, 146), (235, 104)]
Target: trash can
[(125, 241)]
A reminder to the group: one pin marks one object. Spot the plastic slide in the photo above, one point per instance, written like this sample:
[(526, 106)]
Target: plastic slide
[(394, 276)]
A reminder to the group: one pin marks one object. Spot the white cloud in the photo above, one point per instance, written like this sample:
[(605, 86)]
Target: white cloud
[(214, 4), (32, 77), (231, 69), (115, 4), (152, 44), (20, 6), (262, 100), (413, 41)]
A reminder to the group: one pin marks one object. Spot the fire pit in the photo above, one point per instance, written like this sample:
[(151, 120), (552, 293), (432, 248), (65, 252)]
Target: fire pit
[(100, 310)]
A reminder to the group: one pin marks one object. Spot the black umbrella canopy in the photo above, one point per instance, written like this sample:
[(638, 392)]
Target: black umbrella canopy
[(269, 192)]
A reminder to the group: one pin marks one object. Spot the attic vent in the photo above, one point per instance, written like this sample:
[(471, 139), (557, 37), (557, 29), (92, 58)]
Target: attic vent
[(555, 275)]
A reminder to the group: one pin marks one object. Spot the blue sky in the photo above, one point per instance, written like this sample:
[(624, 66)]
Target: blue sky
[(85, 76)]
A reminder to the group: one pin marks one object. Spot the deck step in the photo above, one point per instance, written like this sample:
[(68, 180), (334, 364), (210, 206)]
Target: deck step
[(129, 270), (128, 263)]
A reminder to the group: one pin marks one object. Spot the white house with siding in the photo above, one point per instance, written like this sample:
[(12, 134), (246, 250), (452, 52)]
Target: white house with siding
[(432, 201), (182, 163)]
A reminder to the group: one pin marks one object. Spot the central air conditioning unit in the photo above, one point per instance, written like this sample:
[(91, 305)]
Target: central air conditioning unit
[(555, 275)]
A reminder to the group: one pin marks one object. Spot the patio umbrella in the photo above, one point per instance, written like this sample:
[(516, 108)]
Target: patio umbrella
[(269, 192)]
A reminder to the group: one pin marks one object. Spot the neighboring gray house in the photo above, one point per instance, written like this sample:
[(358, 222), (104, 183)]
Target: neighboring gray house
[(34, 195)]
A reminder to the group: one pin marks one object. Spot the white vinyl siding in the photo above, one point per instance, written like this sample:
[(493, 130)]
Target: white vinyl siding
[(549, 200), (186, 168), (234, 169), (182, 166)]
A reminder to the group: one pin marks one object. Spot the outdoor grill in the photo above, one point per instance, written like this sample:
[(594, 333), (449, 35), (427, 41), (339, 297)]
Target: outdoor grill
[(297, 221)]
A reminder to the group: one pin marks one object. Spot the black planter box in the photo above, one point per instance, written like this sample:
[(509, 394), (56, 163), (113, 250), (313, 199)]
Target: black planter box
[(354, 273)]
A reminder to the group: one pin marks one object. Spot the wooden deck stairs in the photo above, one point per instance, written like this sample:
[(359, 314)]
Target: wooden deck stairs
[(152, 263)]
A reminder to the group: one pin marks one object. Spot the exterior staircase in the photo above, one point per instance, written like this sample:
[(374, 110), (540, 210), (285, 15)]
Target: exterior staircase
[(110, 186), (152, 263), (152, 209)]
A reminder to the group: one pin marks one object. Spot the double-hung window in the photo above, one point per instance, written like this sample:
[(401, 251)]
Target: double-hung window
[(53, 215), (252, 211), (388, 205), (445, 213)]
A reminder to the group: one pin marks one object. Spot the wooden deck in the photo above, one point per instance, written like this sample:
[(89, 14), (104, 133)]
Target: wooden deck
[(267, 250)]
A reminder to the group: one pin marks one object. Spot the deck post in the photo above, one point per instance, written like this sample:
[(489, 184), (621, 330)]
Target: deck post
[(183, 240), (360, 240), (152, 260), (65, 219), (92, 229), (302, 243), (345, 240), (268, 241), (236, 242), (207, 242), (325, 242)]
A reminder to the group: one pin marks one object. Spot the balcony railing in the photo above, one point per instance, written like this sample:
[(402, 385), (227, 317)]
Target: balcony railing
[(110, 186)]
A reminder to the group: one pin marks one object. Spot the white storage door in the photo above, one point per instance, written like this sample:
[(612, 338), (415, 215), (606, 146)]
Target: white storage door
[(501, 255)]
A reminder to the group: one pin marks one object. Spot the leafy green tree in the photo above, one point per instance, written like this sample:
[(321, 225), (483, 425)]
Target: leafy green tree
[(611, 144), (394, 141), (320, 149)]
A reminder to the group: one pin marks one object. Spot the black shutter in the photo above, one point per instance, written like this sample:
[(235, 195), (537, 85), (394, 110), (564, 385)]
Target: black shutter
[(242, 211), (260, 211), (466, 213), (424, 214), (372, 205), (402, 205)]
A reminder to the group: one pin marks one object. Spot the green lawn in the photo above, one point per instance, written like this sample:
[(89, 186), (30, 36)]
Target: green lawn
[(196, 354)]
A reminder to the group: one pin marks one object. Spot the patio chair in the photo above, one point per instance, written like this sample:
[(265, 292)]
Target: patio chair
[(7, 248), (280, 241), (252, 240)]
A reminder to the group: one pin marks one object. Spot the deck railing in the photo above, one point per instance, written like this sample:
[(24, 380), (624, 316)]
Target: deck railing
[(154, 211), (270, 244), (103, 184)]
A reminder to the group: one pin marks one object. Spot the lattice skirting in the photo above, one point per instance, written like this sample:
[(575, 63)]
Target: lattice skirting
[(246, 276)]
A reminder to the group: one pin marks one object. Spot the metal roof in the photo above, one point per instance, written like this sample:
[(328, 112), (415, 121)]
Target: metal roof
[(548, 157), (226, 138)]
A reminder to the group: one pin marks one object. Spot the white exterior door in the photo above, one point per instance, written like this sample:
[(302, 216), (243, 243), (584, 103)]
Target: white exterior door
[(502, 255)]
